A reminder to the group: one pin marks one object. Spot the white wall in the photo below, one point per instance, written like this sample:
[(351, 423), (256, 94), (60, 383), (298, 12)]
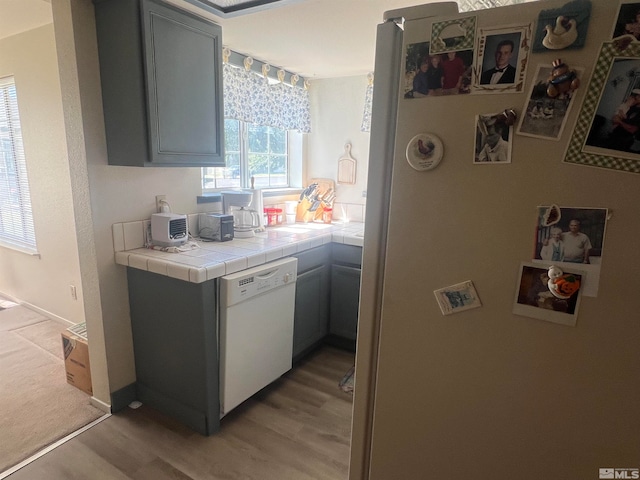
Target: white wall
[(43, 281), (114, 194), (337, 105)]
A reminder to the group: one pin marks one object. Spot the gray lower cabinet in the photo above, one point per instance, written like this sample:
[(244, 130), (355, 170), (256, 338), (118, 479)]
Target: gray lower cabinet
[(161, 76), (311, 319), (312, 310), (345, 295), (173, 323), (345, 298)]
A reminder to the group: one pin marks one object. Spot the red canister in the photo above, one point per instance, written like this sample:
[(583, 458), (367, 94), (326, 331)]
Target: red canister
[(274, 216)]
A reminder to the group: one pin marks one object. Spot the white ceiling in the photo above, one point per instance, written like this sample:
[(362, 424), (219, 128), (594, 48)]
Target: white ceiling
[(314, 38)]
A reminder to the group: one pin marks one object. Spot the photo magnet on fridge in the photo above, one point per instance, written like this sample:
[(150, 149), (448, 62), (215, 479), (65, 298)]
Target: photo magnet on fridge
[(570, 236), (429, 75), (457, 298), (544, 116), (502, 58), (493, 140), (547, 292), (606, 134)]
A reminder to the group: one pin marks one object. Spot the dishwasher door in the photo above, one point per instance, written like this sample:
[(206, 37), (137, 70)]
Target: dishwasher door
[(256, 329)]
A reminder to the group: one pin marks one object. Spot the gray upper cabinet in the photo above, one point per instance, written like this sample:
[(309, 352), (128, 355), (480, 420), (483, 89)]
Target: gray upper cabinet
[(161, 75)]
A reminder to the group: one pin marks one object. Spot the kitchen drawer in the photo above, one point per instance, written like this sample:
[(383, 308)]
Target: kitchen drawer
[(313, 258), (346, 254)]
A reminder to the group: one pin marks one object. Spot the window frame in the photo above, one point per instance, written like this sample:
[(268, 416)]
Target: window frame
[(13, 175), (245, 180)]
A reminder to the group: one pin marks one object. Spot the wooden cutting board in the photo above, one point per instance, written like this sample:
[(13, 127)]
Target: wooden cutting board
[(347, 167), (324, 184)]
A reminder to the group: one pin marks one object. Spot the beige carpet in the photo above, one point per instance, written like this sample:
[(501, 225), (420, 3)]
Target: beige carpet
[(37, 406)]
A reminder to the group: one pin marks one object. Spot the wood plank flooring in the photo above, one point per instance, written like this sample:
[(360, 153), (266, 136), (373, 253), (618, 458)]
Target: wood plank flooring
[(298, 428)]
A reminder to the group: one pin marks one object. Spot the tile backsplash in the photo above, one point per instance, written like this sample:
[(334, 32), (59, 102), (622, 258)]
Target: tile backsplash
[(131, 235)]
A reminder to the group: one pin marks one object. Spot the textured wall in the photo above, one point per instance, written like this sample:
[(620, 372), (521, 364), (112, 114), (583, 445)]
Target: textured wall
[(43, 281)]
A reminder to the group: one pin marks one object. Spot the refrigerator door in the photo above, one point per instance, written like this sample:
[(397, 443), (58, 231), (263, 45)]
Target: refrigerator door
[(485, 393)]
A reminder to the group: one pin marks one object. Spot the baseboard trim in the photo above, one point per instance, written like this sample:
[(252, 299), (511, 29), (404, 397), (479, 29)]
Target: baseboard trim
[(100, 405), (120, 399), (39, 310)]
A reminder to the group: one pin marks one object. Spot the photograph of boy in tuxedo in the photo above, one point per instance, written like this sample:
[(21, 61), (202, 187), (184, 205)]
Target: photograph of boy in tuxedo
[(505, 54)]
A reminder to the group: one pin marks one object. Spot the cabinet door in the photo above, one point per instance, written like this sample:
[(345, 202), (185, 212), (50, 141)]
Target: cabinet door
[(311, 321), (184, 87), (345, 297)]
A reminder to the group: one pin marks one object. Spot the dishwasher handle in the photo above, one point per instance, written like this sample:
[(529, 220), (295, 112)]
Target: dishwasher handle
[(265, 275)]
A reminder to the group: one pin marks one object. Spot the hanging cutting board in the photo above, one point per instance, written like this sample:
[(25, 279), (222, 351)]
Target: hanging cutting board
[(347, 167)]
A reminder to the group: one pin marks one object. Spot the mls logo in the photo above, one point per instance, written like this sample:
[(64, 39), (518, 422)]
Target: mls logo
[(625, 473)]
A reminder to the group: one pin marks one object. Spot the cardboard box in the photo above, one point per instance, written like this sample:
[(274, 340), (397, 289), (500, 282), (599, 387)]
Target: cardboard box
[(76, 361)]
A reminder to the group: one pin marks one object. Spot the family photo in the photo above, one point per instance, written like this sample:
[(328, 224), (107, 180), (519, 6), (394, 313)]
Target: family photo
[(436, 74), (576, 237), (567, 236)]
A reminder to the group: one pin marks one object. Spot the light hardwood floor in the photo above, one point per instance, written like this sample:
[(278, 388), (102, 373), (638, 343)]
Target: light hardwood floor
[(298, 428)]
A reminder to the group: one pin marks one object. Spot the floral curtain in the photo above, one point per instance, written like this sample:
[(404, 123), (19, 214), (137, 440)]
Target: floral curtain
[(368, 101), (250, 97)]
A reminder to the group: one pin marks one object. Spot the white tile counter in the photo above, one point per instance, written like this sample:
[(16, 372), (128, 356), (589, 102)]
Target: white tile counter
[(214, 259)]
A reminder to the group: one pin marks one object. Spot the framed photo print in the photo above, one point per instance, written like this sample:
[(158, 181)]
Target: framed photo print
[(607, 133), (493, 140), (627, 20), (542, 116), (534, 298), (428, 75), (502, 59), (570, 236)]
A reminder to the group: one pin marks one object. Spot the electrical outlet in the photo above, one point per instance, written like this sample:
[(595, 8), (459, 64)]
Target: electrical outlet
[(364, 193), (159, 200), (74, 293)]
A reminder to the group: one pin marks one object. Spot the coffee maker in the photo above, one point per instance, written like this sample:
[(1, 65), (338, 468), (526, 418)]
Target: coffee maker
[(245, 220)]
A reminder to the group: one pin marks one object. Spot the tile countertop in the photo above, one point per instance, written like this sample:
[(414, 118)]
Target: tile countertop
[(215, 259)]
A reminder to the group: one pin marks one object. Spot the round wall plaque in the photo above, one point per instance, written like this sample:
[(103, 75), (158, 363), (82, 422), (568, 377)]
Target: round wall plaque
[(424, 152)]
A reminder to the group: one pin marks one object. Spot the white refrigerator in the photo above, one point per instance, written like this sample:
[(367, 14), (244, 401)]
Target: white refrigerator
[(502, 388)]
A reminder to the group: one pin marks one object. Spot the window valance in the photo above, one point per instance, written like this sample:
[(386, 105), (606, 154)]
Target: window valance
[(254, 98)]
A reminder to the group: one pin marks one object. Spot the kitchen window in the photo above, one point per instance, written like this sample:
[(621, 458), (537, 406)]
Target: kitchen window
[(16, 217), (252, 150)]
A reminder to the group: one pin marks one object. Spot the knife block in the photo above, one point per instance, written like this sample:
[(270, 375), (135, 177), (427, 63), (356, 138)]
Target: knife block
[(302, 212)]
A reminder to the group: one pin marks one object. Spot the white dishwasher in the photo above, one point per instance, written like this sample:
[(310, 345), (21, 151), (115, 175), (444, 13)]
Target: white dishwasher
[(256, 329)]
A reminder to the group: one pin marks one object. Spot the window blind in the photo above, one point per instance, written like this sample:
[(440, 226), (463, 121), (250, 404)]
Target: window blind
[(16, 217)]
